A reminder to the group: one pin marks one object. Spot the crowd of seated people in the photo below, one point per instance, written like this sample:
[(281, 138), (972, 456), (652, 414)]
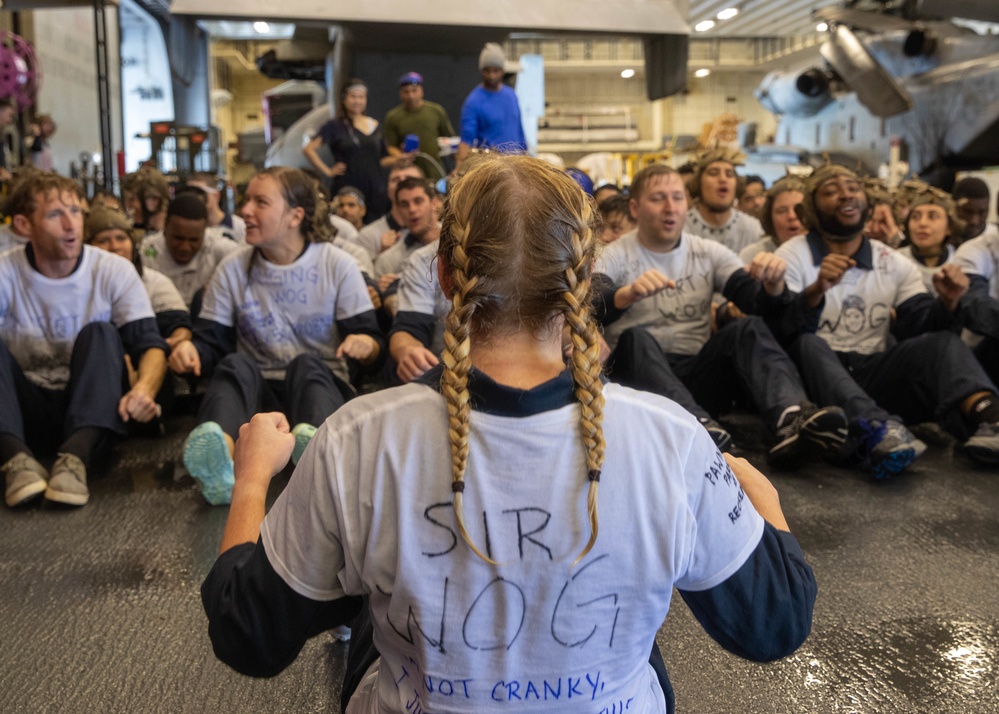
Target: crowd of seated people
[(849, 313)]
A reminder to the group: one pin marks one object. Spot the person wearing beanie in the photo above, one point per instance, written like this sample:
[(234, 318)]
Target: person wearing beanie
[(490, 116), (110, 230), (183, 250), (146, 194), (713, 214), (882, 224), (69, 314), (931, 222), (854, 296), (779, 219), (416, 116)]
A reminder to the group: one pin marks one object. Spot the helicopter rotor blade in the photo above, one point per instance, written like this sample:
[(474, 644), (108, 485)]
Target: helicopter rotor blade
[(875, 88)]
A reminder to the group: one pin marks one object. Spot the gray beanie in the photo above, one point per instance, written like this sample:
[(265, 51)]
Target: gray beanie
[(492, 56)]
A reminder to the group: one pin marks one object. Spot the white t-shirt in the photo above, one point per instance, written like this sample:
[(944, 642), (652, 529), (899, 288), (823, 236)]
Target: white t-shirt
[(344, 228), (857, 312), (237, 233), (9, 239), (287, 310), (360, 256), (925, 271), (980, 256), (370, 237), (163, 294), (420, 291), (739, 231), (368, 511), (765, 245), (392, 260), (194, 275), (678, 318), (40, 317)]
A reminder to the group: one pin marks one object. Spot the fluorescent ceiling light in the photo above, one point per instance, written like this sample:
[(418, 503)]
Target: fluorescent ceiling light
[(704, 26), (702, 73), (261, 27), (728, 13), (627, 73)]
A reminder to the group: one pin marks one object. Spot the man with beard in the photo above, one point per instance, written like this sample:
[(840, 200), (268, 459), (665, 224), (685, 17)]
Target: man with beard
[(846, 359), (654, 287), (714, 215)]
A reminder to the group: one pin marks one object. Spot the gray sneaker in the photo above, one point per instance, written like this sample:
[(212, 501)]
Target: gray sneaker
[(25, 479), (983, 446), (889, 447), (68, 483)]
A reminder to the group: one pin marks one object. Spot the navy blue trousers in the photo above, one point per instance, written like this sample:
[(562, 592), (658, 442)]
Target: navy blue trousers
[(309, 392), (742, 357), (921, 379), (44, 418)]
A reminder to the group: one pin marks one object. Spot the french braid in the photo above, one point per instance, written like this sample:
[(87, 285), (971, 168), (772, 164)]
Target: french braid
[(585, 365), (515, 234), (454, 380)]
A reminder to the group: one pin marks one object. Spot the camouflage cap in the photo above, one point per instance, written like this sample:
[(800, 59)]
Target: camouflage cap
[(788, 183), (827, 172), (921, 194), (147, 182), (102, 218), (705, 159), (806, 209), (877, 191)]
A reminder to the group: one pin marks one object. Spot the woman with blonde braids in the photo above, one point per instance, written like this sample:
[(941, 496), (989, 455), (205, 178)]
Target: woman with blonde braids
[(464, 507)]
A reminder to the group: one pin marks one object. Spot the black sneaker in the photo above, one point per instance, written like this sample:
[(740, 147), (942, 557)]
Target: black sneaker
[(721, 437), (809, 426), (888, 447), (983, 446)]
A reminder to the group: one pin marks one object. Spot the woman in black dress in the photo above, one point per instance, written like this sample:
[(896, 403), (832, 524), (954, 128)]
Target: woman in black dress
[(358, 149)]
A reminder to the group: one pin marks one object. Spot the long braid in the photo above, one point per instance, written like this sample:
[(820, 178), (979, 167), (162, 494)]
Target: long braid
[(454, 381), (586, 369), (517, 244)]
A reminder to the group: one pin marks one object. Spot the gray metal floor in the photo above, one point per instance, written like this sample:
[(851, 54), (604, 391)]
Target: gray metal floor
[(100, 610)]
